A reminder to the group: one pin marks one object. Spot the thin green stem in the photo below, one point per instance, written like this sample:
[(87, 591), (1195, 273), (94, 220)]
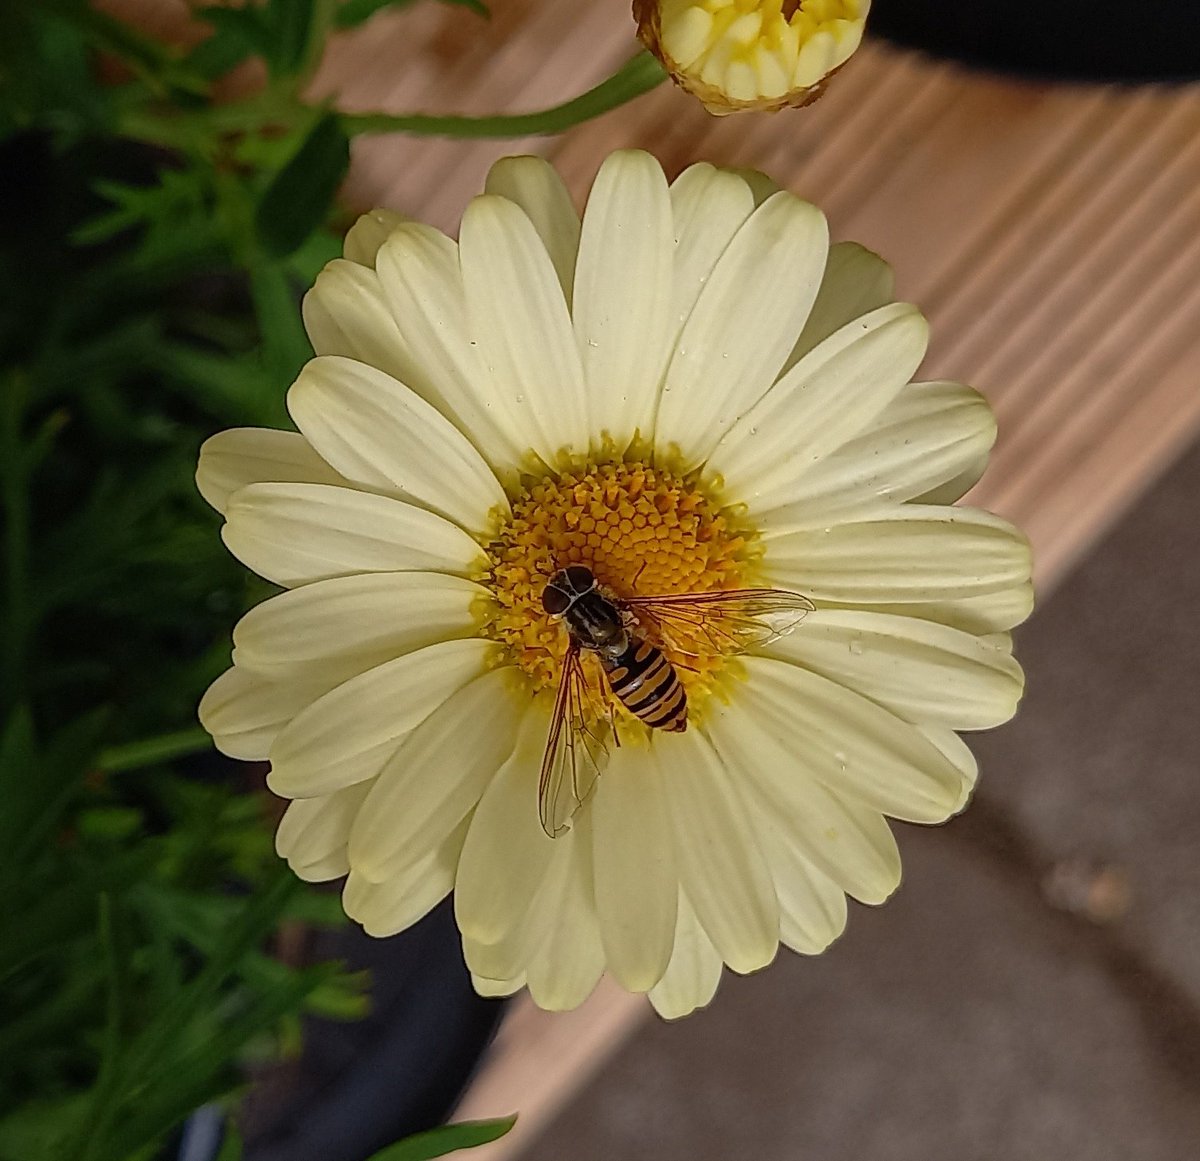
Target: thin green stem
[(638, 76), (146, 751)]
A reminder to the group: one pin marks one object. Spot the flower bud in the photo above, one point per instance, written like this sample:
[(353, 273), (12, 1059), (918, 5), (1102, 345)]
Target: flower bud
[(751, 54)]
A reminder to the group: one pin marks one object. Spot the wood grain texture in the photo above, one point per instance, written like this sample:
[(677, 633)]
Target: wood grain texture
[(1051, 234)]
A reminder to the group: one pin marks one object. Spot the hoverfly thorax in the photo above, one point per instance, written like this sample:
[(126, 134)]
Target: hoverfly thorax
[(591, 618)]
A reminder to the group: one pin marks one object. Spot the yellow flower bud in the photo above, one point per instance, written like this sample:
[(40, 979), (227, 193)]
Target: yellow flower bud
[(751, 54)]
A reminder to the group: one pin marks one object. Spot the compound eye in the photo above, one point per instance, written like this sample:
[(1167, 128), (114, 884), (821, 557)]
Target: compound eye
[(580, 578), (554, 600)]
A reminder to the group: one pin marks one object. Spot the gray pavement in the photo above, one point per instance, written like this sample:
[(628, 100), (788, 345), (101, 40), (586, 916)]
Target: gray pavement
[(1033, 991)]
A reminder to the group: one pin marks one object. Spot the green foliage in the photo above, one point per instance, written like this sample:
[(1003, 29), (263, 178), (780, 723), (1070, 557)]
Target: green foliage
[(447, 1139), (154, 243)]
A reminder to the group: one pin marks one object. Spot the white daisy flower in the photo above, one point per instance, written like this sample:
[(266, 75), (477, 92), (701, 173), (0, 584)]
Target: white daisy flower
[(737, 55), (688, 392)]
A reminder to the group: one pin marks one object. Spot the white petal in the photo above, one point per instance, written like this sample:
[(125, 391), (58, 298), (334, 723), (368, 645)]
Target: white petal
[(421, 279), (389, 907), (927, 435), (369, 618), (232, 459), (324, 870), (721, 868), (694, 971), (438, 774), (313, 830), (350, 734), (833, 393), (853, 746), (900, 555), (623, 295), (495, 988), (848, 842), (959, 753), (368, 233), (708, 207), (569, 963), (989, 613), (957, 487), (245, 711), (923, 671), (856, 282), (742, 327), (534, 185), (637, 886), (379, 433), (507, 853), (345, 313), (517, 314), (812, 907), (294, 534)]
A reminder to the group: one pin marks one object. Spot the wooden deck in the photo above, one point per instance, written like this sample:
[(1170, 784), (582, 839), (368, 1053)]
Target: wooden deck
[(1051, 235)]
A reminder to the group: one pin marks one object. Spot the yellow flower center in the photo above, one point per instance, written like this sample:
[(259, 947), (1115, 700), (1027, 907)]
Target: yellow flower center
[(752, 50), (640, 529)]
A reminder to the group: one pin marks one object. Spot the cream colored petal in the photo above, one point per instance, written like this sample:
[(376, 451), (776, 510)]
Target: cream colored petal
[(694, 971), (351, 733), (853, 746), (637, 885), (391, 906), (812, 907), (958, 486), (742, 327), (989, 613), (422, 281), (372, 229), (856, 282), (507, 853), (831, 395), (294, 534), (623, 295), (345, 313), (708, 207), (568, 964), (313, 830), (325, 870), (517, 314), (496, 988), (721, 868), (959, 753), (534, 185), (761, 185), (379, 433), (369, 618), (929, 434), (901, 555), (232, 459), (438, 775), (923, 671), (848, 842), (245, 711)]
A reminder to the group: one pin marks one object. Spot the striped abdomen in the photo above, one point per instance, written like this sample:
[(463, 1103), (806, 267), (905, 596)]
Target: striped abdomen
[(646, 684)]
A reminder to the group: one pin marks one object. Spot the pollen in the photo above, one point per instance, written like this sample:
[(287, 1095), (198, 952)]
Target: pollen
[(640, 529)]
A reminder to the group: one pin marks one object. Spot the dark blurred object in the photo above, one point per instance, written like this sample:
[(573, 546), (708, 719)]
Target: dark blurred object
[(361, 1085), (1086, 40)]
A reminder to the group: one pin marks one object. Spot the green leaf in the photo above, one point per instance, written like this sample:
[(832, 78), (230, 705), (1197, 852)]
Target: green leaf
[(300, 196), (447, 1139), (292, 29)]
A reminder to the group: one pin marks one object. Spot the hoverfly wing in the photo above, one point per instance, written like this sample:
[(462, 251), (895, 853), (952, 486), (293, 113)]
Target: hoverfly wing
[(724, 621), (574, 753)]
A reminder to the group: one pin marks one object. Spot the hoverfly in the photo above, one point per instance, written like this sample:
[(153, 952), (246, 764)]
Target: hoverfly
[(627, 635)]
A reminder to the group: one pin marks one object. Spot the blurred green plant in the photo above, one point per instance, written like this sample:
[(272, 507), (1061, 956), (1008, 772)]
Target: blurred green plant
[(153, 245)]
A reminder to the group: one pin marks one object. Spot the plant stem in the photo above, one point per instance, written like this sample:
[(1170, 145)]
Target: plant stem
[(639, 75), (133, 755)]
